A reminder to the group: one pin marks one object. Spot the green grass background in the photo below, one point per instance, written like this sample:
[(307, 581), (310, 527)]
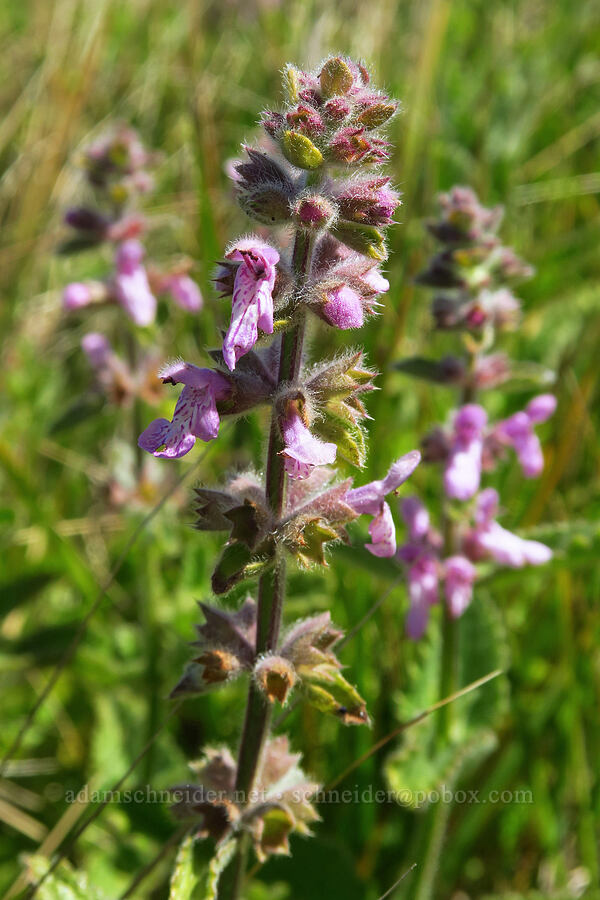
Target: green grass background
[(499, 95)]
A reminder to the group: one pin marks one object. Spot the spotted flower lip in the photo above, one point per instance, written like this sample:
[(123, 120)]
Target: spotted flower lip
[(252, 306), (195, 415), (130, 283), (303, 451)]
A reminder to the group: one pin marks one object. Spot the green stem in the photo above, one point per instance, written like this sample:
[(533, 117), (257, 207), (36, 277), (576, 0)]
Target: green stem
[(271, 585)]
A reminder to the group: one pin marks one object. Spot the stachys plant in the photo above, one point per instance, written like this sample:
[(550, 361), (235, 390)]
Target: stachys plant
[(319, 181)]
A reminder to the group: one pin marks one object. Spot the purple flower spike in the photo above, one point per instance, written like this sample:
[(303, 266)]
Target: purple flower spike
[(422, 579), (490, 538), (458, 585), (302, 449), (76, 295), (131, 286), (343, 308), (252, 300), (369, 498), (195, 415), (383, 533), (463, 467), (185, 292), (518, 432)]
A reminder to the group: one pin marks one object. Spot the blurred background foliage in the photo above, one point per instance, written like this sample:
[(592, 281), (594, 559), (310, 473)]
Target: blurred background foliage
[(502, 96)]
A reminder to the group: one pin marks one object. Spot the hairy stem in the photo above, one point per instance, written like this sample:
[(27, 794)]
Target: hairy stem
[(271, 586)]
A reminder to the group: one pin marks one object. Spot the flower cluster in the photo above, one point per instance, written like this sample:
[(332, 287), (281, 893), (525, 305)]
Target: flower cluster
[(117, 170), (471, 269)]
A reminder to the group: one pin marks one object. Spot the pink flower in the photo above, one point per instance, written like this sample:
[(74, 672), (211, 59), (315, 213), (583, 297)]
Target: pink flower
[(518, 432), (488, 538), (343, 308), (458, 584), (131, 286), (370, 500), (302, 449), (184, 291), (252, 300), (195, 415), (422, 580), (76, 295), (375, 280), (383, 533), (97, 349), (463, 466)]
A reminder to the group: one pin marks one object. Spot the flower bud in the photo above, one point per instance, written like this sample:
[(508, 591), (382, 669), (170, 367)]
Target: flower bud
[(300, 150), (343, 308), (369, 201), (305, 120), (335, 77), (337, 108), (377, 114), (268, 204), (275, 677), (314, 211), (218, 665), (351, 145), (365, 239)]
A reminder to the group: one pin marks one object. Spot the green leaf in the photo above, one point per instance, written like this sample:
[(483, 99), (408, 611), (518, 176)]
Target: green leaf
[(218, 864), (184, 878), (64, 883)]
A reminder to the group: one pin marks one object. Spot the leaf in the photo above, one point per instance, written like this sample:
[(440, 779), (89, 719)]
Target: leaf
[(238, 562), (218, 864), (421, 764), (420, 367), (184, 879), (64, 883)]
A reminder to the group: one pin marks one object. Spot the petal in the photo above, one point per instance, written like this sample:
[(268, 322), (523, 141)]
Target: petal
[(511, 550), (76, 295), (383, 533), (133, 293), (242, 333), (416, 517), (463, 470), (343, 308), (302, 449), (129, 255), (369, 497), (97, 349), (459, 577), (185, 292), (541, 408)]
